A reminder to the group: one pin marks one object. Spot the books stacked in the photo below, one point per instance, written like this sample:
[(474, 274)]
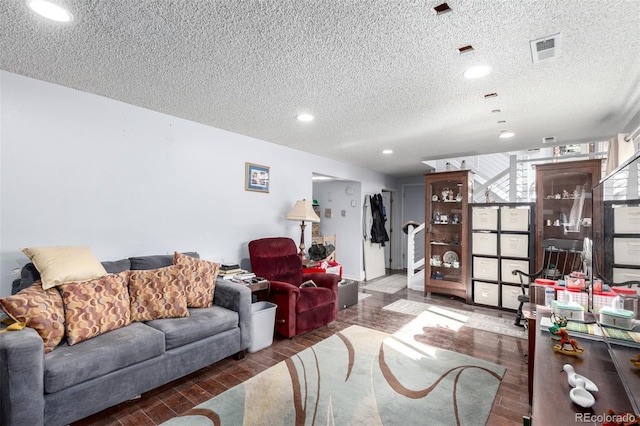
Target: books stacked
[(230, 270)]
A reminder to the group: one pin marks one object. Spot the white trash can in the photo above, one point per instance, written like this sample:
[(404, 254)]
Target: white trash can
[(263, 320)]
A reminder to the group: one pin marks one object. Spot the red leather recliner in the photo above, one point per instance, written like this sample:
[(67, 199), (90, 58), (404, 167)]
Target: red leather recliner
[(299, 309)]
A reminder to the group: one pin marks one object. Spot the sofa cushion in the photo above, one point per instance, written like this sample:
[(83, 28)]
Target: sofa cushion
[(158, 293), (155, 261), (41, 310), (28, 276), (117, 266), (60, 264), (201, 278), (312, 297), (112, 351), (29, 273), (95, 307), (201, 323)]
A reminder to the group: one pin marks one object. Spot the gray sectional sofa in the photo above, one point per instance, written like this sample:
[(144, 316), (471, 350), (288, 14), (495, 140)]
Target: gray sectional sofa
[(73, 382)]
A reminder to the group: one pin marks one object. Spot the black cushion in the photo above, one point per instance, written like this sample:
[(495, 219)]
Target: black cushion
[(29, 274), (156, 261), (117, 266)]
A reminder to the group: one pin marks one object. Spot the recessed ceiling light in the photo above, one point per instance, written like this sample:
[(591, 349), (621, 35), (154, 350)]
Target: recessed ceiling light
[(387, 151), (504, 134), (477, 71), (49, 10), (305, 117)]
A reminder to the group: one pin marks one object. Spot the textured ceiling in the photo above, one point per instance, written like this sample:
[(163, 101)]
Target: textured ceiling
[(376, 74)]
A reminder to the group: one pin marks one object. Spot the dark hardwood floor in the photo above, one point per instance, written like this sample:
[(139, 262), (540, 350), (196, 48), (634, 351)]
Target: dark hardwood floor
[(510, 405)]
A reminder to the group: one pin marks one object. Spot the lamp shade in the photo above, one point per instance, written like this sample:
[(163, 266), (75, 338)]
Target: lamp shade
[(303, 210)]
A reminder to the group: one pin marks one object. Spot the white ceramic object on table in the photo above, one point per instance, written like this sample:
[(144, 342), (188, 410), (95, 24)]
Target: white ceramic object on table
[(581, 396), (572, 377)]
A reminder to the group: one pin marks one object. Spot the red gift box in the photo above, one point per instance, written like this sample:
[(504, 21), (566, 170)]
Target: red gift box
[(326, 267)]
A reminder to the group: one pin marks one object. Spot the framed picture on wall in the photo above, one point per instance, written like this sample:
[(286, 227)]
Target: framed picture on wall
[(256, 177)]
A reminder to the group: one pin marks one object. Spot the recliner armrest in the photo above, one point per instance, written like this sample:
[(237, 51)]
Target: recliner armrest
[(280, 287), (323, 280)]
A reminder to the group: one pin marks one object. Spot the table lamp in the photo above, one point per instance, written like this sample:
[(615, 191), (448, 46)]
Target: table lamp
[(302, 211)]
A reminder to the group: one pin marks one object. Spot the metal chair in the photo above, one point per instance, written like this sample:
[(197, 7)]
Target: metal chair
[(561, 257)]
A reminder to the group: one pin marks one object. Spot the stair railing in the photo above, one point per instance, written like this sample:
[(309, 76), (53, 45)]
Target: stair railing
[(415, 267)]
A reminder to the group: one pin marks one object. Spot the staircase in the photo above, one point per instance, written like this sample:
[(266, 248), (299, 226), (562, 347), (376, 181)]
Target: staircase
[(415, 258)]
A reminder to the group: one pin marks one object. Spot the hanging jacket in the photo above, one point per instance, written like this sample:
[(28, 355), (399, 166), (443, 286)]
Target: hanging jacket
[(378, 231)]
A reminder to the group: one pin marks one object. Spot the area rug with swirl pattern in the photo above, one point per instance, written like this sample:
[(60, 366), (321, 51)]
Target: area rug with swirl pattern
[(359, 376)]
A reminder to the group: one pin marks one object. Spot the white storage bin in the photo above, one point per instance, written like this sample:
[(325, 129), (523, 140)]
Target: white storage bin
[(485, 293), (514, 219), (507, 267), (485, 218), (514, 245), (263, 321), (484, 243), (626, 251), (485, 268), (621, 275), (510, 296), (626, 220)]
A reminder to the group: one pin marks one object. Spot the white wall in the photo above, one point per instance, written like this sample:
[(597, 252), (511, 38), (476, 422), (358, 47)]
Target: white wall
[(81, 169), (348, 228)]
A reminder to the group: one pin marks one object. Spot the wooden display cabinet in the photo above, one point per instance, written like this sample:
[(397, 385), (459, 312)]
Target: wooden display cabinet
[(565, 206), (447, 266)]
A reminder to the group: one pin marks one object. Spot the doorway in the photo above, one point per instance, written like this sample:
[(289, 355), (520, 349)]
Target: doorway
[(387, 205), (413, 210)]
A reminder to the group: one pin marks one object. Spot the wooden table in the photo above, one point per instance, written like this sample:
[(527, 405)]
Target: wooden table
[(551, 404), (529, 313), (254, 286)]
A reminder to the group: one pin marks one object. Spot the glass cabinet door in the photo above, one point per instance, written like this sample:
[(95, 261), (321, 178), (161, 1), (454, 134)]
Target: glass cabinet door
[(564, 206), (446, 247)]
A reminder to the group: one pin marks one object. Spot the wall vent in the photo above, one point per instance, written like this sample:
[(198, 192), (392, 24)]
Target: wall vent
[(545, 48), (549, 139), (442, 8)]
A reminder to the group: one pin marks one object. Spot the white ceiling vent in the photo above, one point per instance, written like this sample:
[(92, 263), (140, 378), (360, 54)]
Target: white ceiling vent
[(549, 139), (545, 48)]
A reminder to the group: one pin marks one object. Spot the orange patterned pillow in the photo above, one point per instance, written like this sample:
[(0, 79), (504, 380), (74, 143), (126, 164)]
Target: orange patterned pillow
[(95, 307), (158, 293), (41, 310), (201, 276)]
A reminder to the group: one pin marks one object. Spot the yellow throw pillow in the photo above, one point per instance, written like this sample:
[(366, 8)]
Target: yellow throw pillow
[(62, 264), (41, 310), (158, 293), (201, 279), (95, 307)]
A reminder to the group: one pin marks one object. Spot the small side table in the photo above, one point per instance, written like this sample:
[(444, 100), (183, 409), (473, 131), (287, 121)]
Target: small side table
[(255, 286), (258, 286)]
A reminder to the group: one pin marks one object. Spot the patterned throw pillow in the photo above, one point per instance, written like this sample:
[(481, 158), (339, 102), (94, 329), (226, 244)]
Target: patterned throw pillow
[(201, 279), (95, 307), (63, 264), (41, 310), (158, 293)]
